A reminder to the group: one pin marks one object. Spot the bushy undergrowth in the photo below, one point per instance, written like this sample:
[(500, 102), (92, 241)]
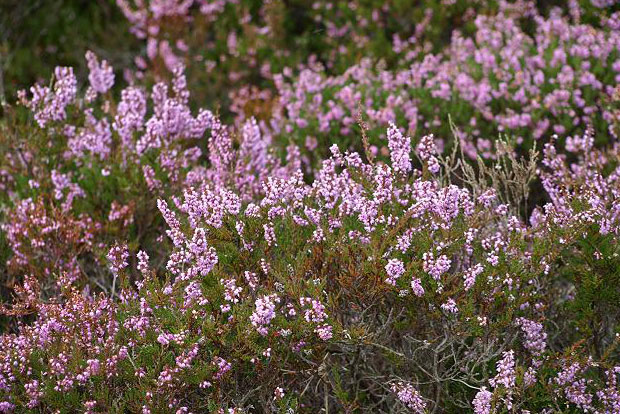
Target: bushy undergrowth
[(558, 77), (321, 250)]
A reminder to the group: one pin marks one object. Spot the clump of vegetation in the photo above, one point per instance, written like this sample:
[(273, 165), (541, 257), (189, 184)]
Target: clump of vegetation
[(295, 238)]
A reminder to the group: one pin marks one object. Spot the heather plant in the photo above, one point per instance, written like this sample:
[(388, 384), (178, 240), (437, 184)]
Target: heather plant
[(236, 47), (431, 227), (584, 340), (375, 288), (232, 49), (230, 42), (557, 77), (74, 178), (91, 168)]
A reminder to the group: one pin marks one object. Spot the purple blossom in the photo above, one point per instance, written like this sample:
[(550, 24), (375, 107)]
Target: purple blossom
[(471, 274), (101, 76), (482, 401), (450, 306), (426, 151), (410, 397), (416, 287), (117, 256), (395, 269), (399, 146), (51, 104), (506, 375), (264, 313), (223, 367), (436, 267), (324, 332), (535, 336)]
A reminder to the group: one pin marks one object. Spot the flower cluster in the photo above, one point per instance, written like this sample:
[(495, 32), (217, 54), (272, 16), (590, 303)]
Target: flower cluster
[(557, 76), (159, 256)]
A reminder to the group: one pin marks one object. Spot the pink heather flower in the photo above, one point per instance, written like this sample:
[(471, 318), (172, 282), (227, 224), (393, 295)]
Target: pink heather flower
[(252, 210), (197, 253), (143, 262), (93, 366), (264, 313), (123, 353), (416, 287), (436, 267), (63, 182), (34, 392), (270, 235), (130, 115), (324, 332), (505, 371), (399, 146), (120, 212), (95, 138), (194, 294), (450, 306), (384, 190), (404, 241), (171, 220), (265, 266), (574, 385), (251, 278), (90, 406), (231, 290), (482, 401), (470, 276), (529, 377), (316, 313), (184, 360), (410, 397), (152, 183), (278, 393), (426, 151), (488, 197), (610, 395), (163, 339), (50, 104), (535, 336), (6, 407), (179, 84), (209, 206), (101, 76), (395, 270), (223, 367), (117, 257), (165, 378)]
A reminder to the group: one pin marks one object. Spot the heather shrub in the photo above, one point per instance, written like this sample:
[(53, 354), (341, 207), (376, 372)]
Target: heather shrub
[(232, 49), (89, 172), (377, 287), (236, 42), (237, 47), (429, 227), (559, 77)]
